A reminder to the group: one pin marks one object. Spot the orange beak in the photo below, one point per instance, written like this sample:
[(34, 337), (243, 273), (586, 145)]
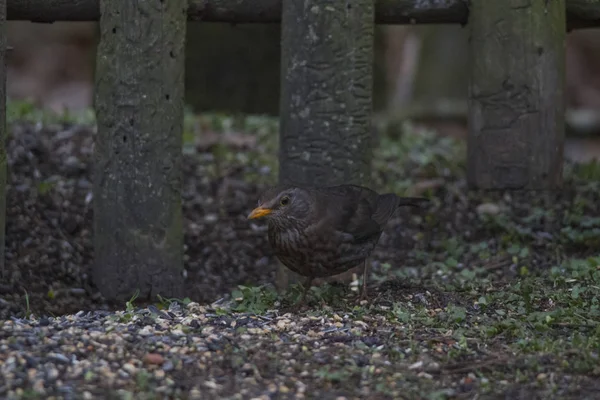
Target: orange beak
[(259, 212)]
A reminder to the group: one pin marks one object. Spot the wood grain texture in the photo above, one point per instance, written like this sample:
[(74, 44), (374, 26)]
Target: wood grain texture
[(138, 232), (516, 94), (581, 13), (326, 96), (3, 134)]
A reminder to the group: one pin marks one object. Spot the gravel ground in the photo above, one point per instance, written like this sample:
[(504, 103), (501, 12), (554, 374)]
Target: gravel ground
[(487, 295), (191, 352)]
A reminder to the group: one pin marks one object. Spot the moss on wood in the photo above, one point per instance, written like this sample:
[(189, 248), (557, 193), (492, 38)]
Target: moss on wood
[(138, 232)]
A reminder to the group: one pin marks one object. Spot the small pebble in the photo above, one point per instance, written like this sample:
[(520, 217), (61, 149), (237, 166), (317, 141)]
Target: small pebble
[(168, 366), (488, 208), (154, 358)]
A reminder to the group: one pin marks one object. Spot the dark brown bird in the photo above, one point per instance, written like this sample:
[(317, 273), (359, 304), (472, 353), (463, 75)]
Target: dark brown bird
[(324, 231)]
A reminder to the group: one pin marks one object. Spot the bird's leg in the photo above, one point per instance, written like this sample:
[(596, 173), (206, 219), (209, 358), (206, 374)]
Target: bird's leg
[(363, 292), (306, 285)]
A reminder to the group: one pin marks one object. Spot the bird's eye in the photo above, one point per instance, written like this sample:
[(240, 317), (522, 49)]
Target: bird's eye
[(284, 201)]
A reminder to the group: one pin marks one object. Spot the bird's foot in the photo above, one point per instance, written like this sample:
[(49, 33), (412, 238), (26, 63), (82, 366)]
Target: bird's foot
[(299, 304), (296, 308), (362, 296), (302, 302)]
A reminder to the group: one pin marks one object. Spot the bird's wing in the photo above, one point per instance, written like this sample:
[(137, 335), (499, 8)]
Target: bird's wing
[(385, 207), (360, 222), (358, 211), (348, 210)]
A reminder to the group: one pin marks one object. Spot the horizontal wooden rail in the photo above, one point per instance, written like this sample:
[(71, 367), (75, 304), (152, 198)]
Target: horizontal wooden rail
[(580, 13)]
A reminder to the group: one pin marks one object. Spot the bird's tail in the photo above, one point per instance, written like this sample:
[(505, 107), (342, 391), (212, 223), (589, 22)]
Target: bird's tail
[(412, 201), (388, 203)]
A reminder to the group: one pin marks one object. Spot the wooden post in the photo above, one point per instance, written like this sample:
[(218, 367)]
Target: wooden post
[(3, 135), (516, 94), (138, 233), (326, 95)]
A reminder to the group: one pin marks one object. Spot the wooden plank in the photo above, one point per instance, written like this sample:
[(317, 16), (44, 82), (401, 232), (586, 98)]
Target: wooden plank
[(581, 13), (326, 95), (138, 232), (516, 94), (3, 135)]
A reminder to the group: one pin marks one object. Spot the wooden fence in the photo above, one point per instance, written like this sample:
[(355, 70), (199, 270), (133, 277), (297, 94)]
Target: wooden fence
[(516, 103)]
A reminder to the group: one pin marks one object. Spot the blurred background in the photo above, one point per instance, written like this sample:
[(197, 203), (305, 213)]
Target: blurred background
[(420, 73)]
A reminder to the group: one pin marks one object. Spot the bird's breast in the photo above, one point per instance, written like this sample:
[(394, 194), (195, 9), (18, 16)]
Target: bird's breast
[(287, 240)]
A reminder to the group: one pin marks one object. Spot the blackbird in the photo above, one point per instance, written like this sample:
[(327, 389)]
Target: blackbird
[(325, 231)]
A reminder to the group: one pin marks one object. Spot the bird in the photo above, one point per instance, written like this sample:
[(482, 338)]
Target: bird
[(322, 231)]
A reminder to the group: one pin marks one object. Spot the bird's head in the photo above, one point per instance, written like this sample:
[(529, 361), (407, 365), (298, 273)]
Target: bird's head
[(281, 205)]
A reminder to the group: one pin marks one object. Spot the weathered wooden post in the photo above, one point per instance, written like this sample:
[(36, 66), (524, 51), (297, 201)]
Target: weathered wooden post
[(137, 181), (3, 134), (326, 95), (516, 94)]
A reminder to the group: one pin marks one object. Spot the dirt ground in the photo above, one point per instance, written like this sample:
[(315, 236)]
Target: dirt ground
[(494, 294)]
